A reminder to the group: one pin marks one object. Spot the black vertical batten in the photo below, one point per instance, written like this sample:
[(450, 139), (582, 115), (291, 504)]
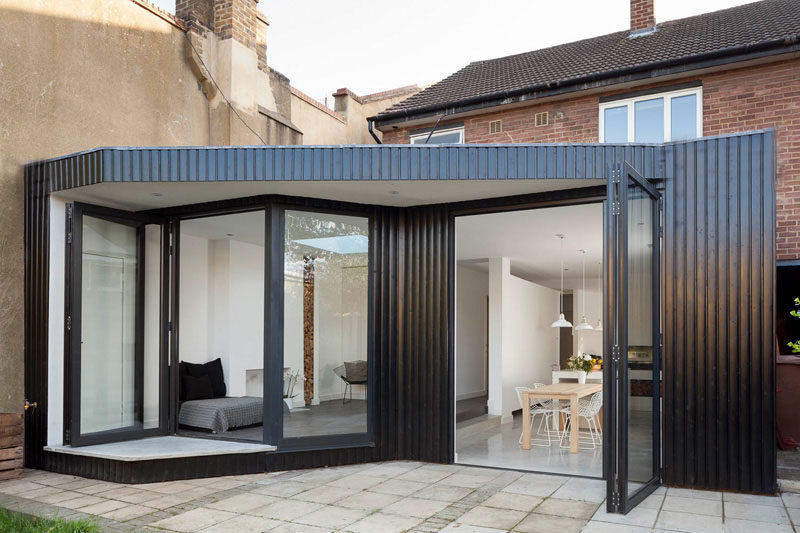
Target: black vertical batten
[(718, 314)]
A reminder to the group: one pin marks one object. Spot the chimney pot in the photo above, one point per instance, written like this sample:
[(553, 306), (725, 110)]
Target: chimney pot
[(642, 14)]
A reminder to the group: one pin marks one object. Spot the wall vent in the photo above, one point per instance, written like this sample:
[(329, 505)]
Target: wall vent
[(495, 126), (541, 119)]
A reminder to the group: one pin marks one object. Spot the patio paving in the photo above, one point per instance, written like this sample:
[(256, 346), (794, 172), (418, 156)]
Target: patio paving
[(391, 497)]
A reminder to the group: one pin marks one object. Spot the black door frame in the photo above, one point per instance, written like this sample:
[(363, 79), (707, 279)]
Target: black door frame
[(73, 282), (616, 343)]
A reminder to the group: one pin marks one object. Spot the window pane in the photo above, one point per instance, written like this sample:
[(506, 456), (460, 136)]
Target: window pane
[(642, 380), (221, 316), (325, 324), (648, 118), (108, 326), (684, 117), (449, 137), (615, 124), (152, 324)]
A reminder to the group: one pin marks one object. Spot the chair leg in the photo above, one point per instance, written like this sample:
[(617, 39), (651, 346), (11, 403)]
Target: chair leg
[(344, 396)]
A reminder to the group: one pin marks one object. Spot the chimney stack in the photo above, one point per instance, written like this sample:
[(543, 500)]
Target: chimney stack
[(228, 19), (643, 14)]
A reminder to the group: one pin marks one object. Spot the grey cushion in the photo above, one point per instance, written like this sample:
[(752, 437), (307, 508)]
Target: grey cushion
[(355, 371)]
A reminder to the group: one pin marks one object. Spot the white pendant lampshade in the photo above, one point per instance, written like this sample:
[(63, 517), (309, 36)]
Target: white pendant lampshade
[(584, 325), (562, 322)]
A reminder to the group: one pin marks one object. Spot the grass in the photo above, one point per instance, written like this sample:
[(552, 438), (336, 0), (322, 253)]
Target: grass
[(11, 522)]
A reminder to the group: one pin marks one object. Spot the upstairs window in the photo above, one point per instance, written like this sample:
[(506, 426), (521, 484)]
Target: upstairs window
[(440, 136), (653, 118)]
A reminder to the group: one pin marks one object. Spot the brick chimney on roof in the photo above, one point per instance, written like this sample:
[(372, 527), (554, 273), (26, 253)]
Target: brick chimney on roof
[(228, 19), (643, 14)]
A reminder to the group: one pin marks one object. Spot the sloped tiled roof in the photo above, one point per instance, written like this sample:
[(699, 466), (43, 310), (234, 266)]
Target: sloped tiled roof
[(742, 28)]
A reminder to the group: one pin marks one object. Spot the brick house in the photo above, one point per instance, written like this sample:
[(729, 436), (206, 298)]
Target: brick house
[(205, 310), (741, 62)]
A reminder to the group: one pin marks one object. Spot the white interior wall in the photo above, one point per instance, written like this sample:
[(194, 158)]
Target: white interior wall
[(523, 346), (588, 341), (193, 309), (472, 288), (530, 343), (222, 306), (246, 330)]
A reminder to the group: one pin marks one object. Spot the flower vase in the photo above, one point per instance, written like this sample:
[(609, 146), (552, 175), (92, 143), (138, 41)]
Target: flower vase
[(582, 376)]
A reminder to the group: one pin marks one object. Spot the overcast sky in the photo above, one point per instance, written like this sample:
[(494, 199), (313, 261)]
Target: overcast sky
[(375, 45)]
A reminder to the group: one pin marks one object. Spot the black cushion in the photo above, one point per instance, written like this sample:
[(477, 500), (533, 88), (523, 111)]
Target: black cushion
[(197, 388), (213, 369), (195, 369)]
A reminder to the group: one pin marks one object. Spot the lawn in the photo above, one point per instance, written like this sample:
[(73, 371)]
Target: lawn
[(17, 523)]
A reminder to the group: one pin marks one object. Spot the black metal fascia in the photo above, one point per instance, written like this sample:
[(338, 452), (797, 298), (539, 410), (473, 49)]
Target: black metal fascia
[(608, 78)]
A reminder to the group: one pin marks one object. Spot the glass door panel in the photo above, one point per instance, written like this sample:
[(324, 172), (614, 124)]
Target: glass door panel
[(114, 326), (325, 325), (634, 339)]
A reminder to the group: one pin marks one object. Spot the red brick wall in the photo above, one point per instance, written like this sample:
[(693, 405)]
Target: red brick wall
[(734, 101)]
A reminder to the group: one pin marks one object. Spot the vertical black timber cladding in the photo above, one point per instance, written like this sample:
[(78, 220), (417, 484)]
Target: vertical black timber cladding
[(36, 245), (719, 261), (424, 387)]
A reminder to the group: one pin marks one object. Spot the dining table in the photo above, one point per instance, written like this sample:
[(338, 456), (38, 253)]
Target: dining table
[(571, 392)]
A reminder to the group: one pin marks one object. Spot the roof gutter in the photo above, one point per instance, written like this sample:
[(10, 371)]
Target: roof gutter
[(612, 77)]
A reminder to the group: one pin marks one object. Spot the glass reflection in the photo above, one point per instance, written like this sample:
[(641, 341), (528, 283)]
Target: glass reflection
[(683, 117), (649, 121), (641, 378), (615, 124), (325, 324)]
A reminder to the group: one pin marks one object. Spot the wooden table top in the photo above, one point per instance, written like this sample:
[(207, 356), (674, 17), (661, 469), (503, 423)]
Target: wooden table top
[(565, 390)]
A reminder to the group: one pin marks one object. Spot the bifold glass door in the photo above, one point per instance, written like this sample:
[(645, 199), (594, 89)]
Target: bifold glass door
[(114, 265), (633, 339)]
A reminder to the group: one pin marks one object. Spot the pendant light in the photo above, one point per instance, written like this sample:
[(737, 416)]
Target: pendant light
[(584, 325), (599, 326), (561, 322)]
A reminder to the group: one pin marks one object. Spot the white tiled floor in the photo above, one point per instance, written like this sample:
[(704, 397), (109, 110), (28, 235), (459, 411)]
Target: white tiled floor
[(392, 498)]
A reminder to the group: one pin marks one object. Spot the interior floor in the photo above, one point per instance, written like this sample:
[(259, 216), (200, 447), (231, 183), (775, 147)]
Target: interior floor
[(328, 418), (498, 446), (470, 408)]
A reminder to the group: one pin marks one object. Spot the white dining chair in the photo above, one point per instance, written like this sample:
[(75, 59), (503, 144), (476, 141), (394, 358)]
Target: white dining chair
[(590, 411), (538, 407)]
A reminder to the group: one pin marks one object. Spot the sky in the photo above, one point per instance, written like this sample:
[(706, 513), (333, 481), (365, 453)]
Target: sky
[(375, 45)]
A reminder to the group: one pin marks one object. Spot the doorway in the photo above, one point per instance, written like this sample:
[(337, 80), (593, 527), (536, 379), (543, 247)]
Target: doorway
[(514, 259)]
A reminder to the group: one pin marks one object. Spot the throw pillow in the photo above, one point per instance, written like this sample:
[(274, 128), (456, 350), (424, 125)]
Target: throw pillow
[(197, 388), (213, 369)]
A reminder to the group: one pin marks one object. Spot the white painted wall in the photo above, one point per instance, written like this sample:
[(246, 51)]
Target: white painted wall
[(55, 324), (472, 289), (588, 341), (522, 344), (222, 306)]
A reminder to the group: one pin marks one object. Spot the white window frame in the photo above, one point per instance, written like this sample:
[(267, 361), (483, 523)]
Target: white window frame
[(667, 96), (422, 136)]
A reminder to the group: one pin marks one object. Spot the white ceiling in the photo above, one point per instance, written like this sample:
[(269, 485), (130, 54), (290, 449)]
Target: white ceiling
[(528, 239), (149, 195), (245, 227)]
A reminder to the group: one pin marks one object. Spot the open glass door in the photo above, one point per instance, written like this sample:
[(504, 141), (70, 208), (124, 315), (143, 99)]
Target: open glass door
[(115, 337), (633, 339)]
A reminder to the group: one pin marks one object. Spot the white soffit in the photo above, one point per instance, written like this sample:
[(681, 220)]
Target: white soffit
[(151, 195)]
